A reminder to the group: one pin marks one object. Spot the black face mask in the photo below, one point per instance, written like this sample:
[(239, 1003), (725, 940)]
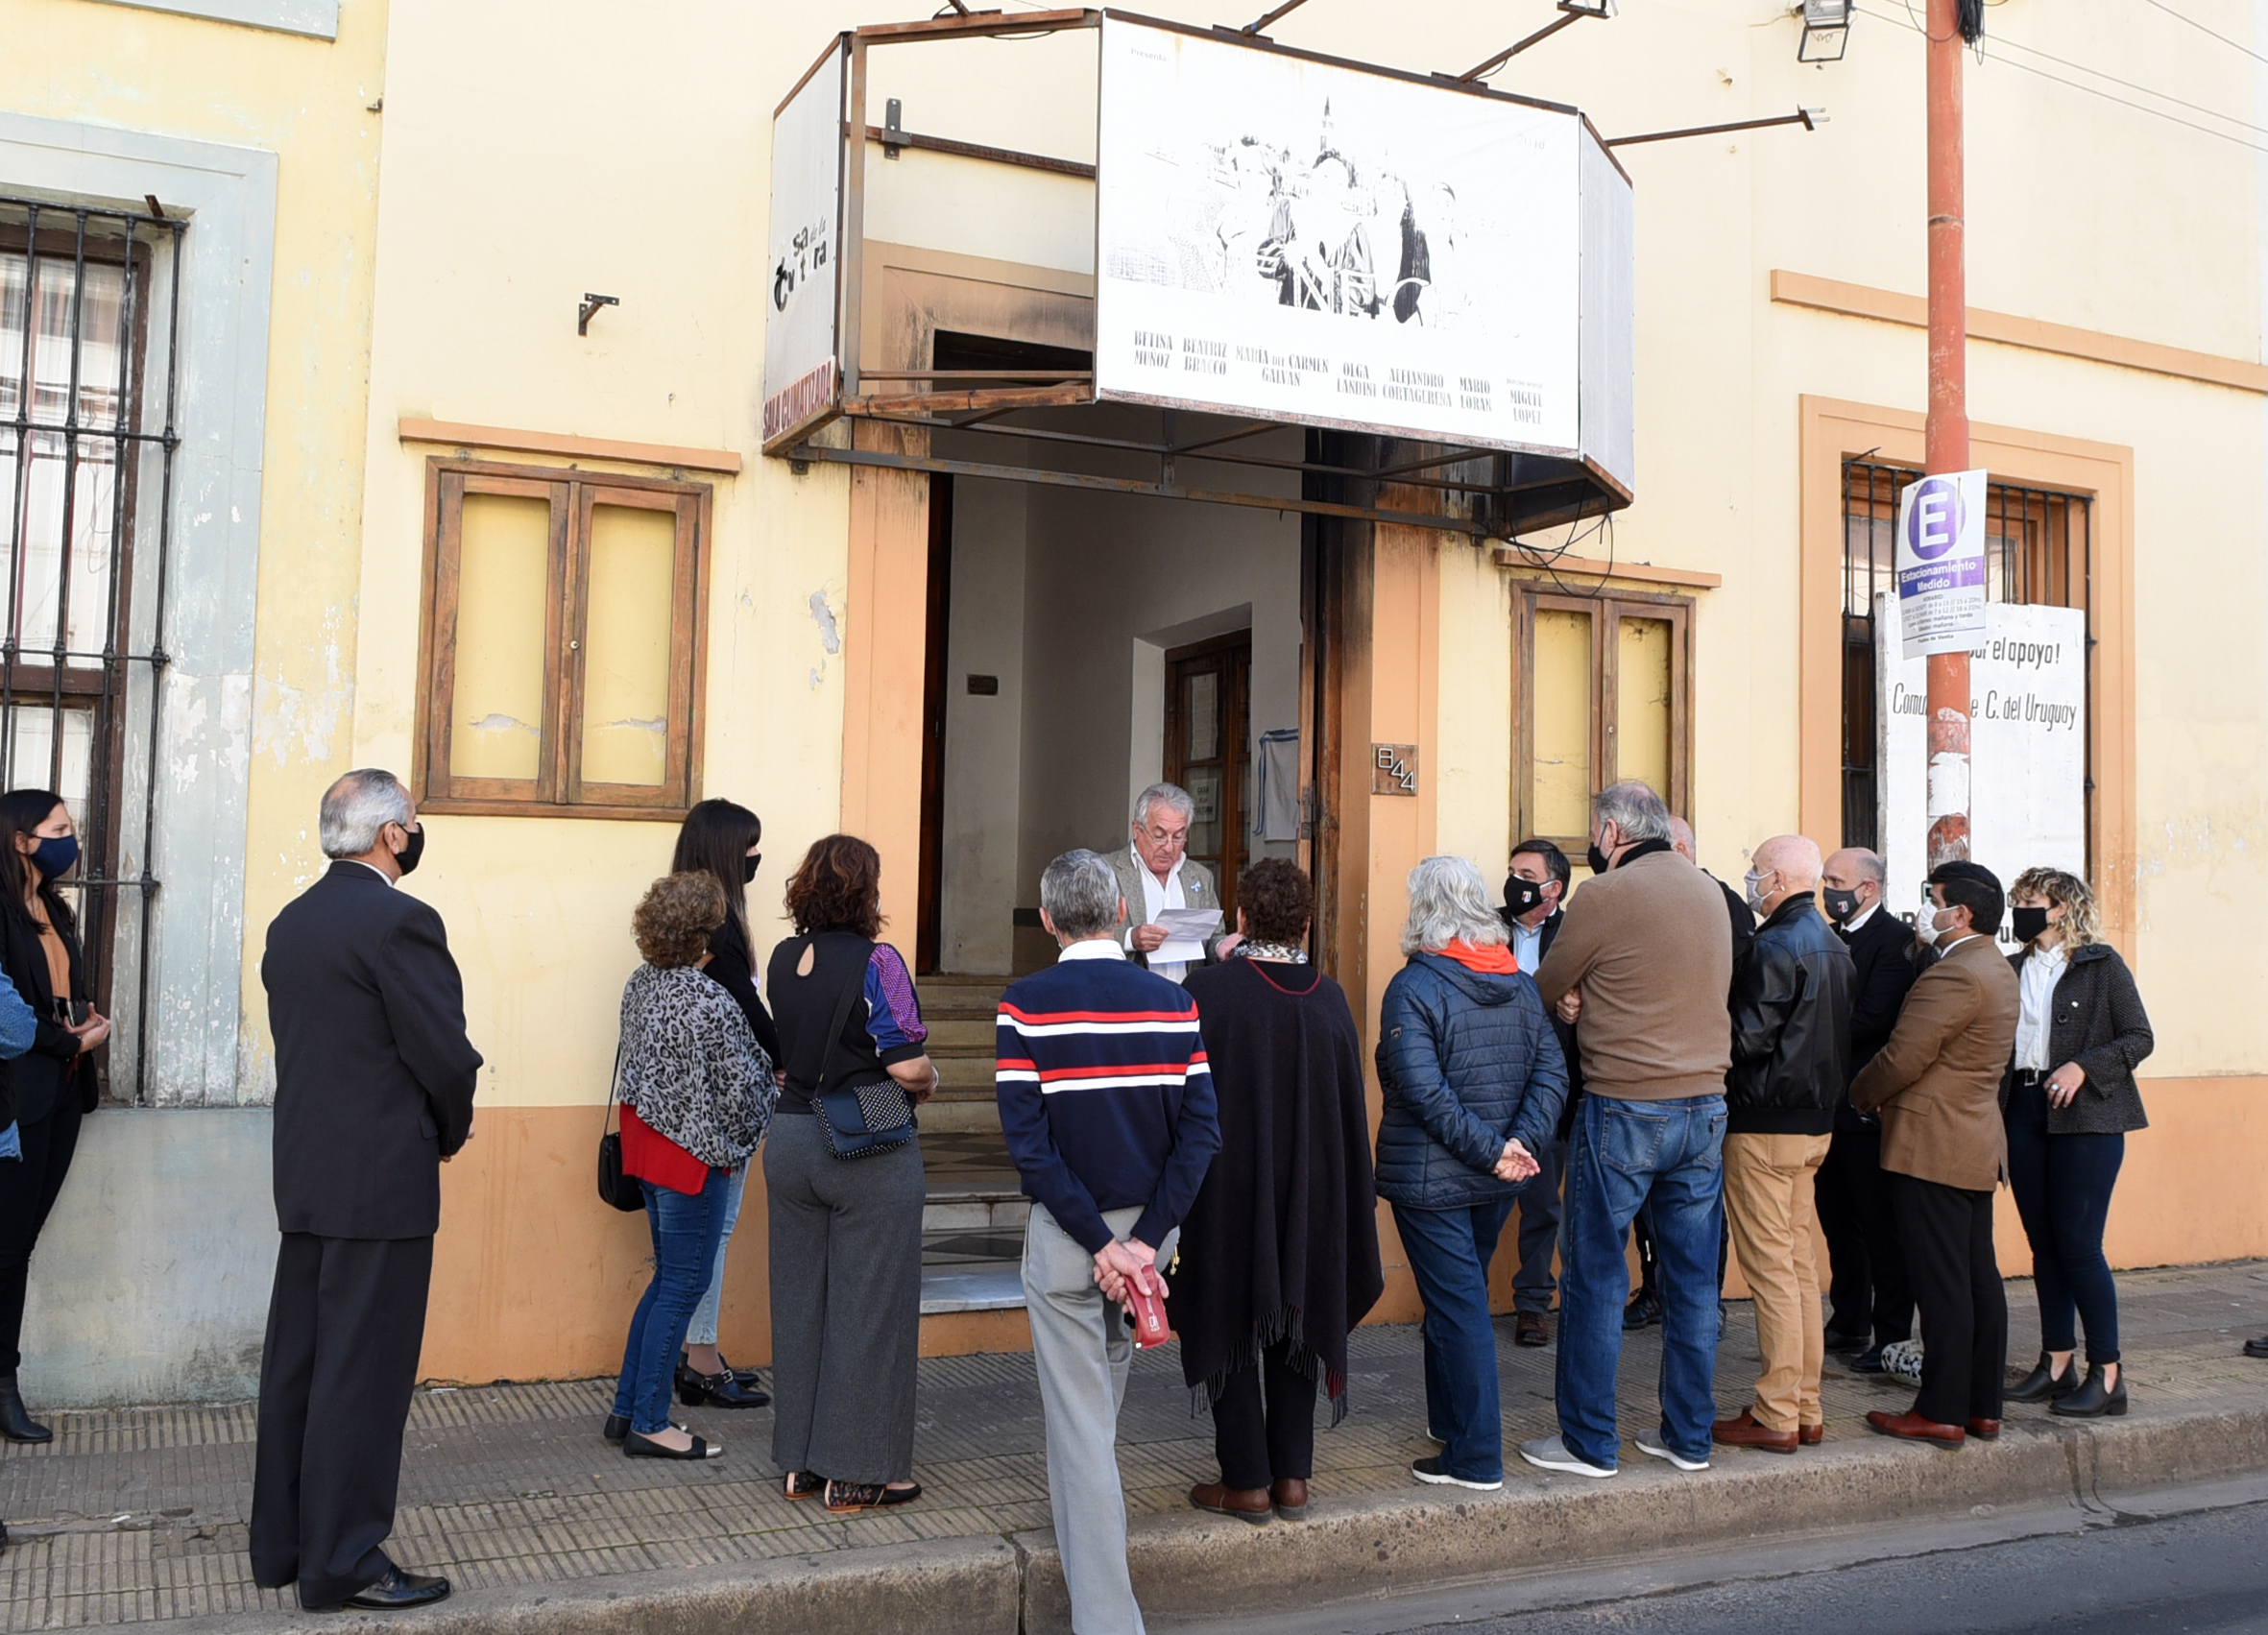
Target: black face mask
[(2027, 923), (1522, 896), (1841, 905), (406, 860), (1597, 859), (748, 867)]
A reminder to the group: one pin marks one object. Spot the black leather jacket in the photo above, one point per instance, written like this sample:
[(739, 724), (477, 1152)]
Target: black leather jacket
[(1791, 1026)]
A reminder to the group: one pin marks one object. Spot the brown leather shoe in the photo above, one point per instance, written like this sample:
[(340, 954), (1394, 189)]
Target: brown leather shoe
[(1915, 1429), (1528, 1329), (1290, 1497), (1986, 1428), (1811, 1435), (1742, 1430), (1244, 1504)]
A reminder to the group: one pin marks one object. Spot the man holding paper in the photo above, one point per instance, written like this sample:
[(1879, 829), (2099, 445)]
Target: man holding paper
[(1172, 910)]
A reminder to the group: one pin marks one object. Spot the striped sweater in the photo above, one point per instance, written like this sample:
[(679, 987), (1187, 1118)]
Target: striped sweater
[(1105, 1095)]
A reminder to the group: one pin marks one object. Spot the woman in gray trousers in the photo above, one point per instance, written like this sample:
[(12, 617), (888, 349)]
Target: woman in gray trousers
[(846, 1233)]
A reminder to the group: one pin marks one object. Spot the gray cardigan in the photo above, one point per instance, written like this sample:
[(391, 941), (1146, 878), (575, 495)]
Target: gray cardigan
[(2097, 1019)]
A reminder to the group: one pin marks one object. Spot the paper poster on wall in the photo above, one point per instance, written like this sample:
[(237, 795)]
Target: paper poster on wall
[(2027, 746), (1320, 243), (804, 240), (1941, 563)]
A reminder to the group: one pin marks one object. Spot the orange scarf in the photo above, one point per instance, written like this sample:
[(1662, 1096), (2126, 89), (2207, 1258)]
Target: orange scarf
[(1496, 959)]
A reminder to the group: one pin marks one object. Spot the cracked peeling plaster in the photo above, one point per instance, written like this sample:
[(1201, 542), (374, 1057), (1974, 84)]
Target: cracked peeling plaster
[(829, 633)]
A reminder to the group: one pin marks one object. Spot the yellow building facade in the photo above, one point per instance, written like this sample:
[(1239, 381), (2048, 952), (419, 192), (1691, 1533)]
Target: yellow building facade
[(528, 550)]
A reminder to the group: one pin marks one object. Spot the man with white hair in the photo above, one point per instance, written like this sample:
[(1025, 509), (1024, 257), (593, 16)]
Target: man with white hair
[(1644, 962), (1107, 1106), (1155, 874), (373, 1093), (1790, 1060)]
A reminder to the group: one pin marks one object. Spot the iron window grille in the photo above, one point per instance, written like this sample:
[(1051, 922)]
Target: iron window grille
[(89, 330), (2039, 548)]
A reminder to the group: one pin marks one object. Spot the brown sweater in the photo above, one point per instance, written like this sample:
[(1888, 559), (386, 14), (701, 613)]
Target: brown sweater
[(1645, 944)]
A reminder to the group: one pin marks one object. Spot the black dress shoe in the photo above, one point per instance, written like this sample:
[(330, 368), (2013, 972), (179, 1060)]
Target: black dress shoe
[(2257, 1348), (1869, 1362), (617, 1426), (2091, 1401), (2044, 1384), (16, 1423), (397, 1592), (1643, 1310), (727, 1389), (1848, 1343)]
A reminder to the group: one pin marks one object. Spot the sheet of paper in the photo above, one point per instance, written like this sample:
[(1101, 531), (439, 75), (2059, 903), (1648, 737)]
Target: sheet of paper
[(1186, 930)]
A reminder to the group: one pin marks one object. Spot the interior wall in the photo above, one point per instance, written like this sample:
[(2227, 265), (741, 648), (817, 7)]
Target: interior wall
[(983, 734), (1113, 582)]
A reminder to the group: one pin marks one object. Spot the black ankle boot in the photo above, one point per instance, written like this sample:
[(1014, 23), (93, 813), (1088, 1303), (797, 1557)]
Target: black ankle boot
[(2091, 1401), (16, 1423), (2042, 1384)]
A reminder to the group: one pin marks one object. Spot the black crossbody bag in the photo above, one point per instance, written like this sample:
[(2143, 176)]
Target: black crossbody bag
[(621, 1191), (860, 1121)]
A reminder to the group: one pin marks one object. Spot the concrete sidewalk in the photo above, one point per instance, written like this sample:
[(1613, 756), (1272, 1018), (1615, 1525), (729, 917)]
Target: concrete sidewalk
[(138, 1516)]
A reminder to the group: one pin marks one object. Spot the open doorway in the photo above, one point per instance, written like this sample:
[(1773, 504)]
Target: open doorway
[(1209, 752)]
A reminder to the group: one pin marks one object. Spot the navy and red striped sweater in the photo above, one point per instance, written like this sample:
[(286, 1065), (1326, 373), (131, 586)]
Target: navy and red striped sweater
[(1105, 1095)]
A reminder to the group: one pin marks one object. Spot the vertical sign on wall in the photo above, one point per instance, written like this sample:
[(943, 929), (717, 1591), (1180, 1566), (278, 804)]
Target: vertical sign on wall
[(802, 277), (2028, 789), (1941, 563)]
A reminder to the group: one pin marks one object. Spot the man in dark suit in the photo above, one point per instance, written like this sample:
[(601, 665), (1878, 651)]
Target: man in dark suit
[(1871, 1304), (1534, 899), (374, 1091)]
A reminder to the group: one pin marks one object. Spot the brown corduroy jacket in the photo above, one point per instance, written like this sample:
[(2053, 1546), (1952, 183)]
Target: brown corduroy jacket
[(1937, 1081)]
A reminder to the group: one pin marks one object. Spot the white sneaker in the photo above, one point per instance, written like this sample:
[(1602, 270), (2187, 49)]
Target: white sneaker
[(1549, 1452), (1433, 1471), (1648, 1445)]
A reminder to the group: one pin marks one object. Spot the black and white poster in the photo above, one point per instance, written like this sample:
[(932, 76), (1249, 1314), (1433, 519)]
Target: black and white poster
[(1317, 243), (801, 380)]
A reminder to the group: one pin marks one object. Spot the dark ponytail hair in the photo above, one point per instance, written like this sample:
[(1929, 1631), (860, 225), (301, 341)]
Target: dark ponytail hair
[(21, 812), (714, 840)]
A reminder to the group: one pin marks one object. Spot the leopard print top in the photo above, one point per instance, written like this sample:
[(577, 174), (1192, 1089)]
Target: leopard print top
[(692, 1069)]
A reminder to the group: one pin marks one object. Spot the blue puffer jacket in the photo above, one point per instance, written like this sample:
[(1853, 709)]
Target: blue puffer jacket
[(1467, 1061)]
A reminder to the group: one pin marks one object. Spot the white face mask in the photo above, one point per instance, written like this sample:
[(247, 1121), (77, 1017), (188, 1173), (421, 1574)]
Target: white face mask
[(1925, 925), (1757, 895)]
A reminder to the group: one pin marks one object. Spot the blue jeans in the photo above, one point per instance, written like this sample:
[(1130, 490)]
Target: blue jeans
[(686, 1227), (1449, 1253), (1666, 1157), (2062, 1189), (701, 1328)]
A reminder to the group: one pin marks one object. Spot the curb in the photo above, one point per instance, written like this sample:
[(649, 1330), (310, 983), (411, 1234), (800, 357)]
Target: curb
[(1190, 1567)]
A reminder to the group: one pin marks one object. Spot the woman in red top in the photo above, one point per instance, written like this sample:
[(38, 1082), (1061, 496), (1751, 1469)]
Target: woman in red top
[(697, 1093)]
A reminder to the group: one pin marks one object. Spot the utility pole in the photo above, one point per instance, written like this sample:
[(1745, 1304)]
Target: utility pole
[(1946, 440)]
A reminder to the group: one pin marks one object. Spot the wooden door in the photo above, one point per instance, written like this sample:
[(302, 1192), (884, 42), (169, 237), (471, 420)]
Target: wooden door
[(1209, 752)]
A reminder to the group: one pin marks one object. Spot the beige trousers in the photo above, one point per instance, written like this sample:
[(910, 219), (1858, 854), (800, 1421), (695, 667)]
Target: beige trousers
[(1767, 1202)]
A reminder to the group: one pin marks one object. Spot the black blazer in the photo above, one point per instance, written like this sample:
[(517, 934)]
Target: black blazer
[(374, 1073), (54, 1067), (731, 968), (2095, 1017), (1884, 967)]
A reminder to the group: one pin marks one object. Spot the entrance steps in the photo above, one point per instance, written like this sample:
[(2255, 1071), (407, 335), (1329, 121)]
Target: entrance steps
[(973, 1208)]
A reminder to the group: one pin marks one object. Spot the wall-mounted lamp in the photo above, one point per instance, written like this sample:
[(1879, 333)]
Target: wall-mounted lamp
[(1827, 31), (589, 309)]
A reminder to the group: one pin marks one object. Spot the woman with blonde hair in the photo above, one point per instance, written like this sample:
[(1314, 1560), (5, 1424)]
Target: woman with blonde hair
[(2068, 1101)]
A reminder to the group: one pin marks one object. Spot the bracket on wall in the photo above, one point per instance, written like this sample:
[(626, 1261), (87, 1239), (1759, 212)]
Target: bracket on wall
[(589, 308)]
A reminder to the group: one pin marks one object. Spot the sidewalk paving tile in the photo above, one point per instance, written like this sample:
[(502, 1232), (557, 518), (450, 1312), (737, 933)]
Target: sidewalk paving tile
[(135, 1516)]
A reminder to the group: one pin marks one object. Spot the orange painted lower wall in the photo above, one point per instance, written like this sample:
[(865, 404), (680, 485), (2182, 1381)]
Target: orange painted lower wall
[(534, 1278)]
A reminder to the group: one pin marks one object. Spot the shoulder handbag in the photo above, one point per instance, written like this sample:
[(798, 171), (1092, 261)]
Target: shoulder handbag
[(860, 1121), (613, 1187)]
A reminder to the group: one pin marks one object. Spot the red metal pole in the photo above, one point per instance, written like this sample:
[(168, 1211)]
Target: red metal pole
[(1946, 443)]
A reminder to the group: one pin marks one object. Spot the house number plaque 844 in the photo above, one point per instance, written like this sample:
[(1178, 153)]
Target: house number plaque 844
[(1394, 769)]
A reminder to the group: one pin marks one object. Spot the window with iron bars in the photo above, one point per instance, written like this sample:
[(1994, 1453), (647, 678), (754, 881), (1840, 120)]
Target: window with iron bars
[(2038, 549), (89, 318)]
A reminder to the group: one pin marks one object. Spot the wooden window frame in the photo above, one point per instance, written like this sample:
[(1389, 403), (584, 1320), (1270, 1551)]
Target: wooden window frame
[(1605, 612), (557, 789)]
